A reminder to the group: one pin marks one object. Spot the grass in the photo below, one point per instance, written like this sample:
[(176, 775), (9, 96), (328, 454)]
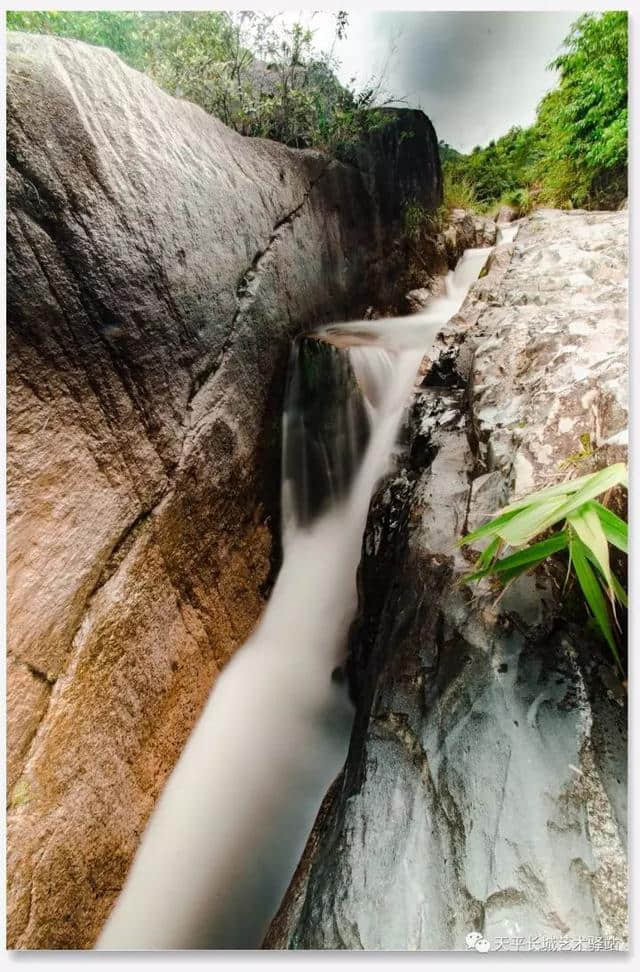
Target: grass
[(418, 220), (588, 528), (458, 193)]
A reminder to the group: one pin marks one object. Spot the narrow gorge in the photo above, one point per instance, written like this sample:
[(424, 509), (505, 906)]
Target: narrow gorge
[(241, 452)]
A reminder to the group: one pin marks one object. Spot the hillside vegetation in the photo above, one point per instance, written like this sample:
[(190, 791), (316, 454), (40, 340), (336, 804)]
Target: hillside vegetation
[(260, 75), (575, 154), (265, 78)]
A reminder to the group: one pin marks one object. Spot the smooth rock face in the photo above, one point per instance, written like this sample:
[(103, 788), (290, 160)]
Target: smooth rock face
[(158, 266), (485, 788)]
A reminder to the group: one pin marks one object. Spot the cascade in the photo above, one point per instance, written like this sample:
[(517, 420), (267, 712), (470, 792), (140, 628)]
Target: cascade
[(232, 821)]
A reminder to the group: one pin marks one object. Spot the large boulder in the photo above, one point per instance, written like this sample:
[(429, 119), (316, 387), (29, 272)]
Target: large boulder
[(485, 788), (158, 266)]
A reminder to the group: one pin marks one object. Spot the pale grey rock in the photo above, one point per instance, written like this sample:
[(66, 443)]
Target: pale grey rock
[(418, 299), (556, 342), (467, 230)]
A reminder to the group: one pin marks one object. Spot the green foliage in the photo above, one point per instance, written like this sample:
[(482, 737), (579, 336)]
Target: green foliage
[(522, 200), (458, 191), (588, 529), (504, 166), (584, 122), (259, 75), (414, 218), (418, 221), (121, 31), (576, 152), (447, 152)]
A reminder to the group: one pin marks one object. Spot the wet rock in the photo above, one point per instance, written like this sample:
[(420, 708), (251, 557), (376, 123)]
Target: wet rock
[(467, 230), (485, 788), (398, 163), (485, 231), (418, 299), (506, 214), (158, 267)]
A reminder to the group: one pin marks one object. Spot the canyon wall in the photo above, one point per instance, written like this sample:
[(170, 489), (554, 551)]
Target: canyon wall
[(158, 267), (485, 788)]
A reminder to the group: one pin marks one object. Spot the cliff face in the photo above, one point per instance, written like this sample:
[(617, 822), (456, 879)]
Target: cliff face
[(485, 788), (158, 266)]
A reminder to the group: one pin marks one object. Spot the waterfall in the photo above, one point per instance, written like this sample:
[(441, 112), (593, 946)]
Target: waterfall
[(230, 825)]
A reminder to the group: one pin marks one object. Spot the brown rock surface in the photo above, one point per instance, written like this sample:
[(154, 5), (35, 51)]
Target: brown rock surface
[(158, 265)]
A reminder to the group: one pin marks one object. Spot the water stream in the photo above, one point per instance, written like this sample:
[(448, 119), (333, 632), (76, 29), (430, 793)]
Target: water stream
[(231, 823)]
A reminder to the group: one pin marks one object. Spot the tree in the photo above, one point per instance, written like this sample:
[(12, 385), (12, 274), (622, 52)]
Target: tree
[(585, 120), (576, 152)]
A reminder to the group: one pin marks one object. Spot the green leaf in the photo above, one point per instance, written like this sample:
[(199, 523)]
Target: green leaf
[(532, 521), (505, 576), (565, 488), (615, 529), (593, 593), (619, 591), (488, 529), (588, 527), (489, 554), (520, 561), (534, 554)]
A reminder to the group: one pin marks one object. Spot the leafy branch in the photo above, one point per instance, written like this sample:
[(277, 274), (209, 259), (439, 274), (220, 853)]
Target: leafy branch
[(588, 528)]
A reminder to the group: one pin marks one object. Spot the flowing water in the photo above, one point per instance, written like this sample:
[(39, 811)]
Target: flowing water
[(230, 826), (507, 232)]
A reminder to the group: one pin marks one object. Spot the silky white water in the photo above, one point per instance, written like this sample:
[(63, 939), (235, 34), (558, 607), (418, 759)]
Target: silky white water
[(231, 823), (507, 232)]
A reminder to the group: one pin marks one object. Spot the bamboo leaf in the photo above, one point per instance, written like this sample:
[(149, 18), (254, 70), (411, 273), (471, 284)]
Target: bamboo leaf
[(512, 572), (534, 554), (615, 529), (593, 593), (523, 560), (618, 590), (528, 522), (489, 554), (588, 527), (488, 529), (523, 526), (567, 488)]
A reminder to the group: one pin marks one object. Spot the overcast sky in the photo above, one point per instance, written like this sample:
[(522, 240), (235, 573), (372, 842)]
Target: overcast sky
[(474, 74)]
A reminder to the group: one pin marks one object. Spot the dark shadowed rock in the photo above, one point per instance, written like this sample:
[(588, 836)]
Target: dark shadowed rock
[(400, 162), (158, 267)]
